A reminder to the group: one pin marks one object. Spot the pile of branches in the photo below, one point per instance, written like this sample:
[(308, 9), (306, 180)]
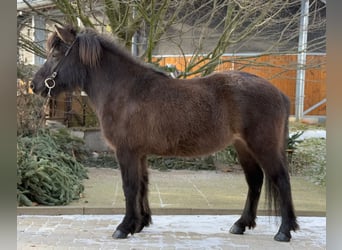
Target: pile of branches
[(49, 171)]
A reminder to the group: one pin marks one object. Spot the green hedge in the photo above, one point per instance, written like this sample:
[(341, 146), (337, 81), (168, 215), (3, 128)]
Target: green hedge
[(227, 156)]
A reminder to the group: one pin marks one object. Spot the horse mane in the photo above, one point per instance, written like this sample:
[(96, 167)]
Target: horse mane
[(92, 44), (90, 50)]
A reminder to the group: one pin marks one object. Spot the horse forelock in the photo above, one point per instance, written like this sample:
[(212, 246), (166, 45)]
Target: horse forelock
[(90, 50)]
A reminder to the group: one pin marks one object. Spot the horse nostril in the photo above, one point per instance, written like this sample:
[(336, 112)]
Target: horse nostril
[(32, 86)]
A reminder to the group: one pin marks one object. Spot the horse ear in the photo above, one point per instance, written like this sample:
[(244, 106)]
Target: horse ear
[(65, 35)]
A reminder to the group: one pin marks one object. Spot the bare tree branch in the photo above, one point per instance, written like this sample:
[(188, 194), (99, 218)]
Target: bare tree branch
[(205, 29)]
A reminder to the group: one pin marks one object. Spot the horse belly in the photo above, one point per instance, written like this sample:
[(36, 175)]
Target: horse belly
[(194, 144)]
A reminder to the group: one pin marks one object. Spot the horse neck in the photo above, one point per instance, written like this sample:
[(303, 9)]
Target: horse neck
[(115, 75)]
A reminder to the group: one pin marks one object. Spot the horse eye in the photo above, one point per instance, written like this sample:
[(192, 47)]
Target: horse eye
[(53, 53)]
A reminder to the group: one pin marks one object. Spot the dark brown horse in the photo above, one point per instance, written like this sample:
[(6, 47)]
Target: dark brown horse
[(144, 112)]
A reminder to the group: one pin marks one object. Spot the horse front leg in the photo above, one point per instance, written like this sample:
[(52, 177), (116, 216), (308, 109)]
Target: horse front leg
[(131, 178)]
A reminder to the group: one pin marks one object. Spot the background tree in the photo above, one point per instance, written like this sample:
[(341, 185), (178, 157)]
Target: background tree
[(204, 29), (263, 27)]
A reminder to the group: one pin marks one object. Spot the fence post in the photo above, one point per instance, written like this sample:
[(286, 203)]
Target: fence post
[(301, 59)]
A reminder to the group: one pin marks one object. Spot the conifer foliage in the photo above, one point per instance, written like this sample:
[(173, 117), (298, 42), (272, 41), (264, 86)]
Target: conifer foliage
[(49, 171)]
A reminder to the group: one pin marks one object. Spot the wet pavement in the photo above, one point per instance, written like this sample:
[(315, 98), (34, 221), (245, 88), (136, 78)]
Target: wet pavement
[(166, 232)]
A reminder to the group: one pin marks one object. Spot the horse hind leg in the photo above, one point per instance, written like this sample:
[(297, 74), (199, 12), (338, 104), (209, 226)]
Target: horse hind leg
[(278, 183), (254, 177), (143, 198), (278, 191)]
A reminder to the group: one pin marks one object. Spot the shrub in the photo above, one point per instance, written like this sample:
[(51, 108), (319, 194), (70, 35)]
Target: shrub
[(309, 159), (293, 140), (168, 163), (227, 156), (30, 113)]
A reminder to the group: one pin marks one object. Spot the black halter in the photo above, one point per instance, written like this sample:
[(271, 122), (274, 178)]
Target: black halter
[(50, 81)]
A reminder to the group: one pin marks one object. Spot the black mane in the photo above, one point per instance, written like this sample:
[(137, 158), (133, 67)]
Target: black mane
[(88, 36)]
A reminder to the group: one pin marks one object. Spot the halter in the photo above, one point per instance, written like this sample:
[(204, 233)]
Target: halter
[(50, 81)]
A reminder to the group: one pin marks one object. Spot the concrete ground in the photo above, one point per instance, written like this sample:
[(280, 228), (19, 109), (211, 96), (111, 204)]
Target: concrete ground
[(191, 210)]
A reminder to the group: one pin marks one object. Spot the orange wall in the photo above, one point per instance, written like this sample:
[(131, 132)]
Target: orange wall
[(279, 70)]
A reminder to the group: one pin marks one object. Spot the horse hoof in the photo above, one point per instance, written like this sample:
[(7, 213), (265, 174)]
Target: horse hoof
[(235, 229), (139, 229), (280, 236), (119, 235)]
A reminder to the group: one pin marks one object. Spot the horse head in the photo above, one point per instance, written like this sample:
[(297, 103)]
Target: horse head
[(69, 55)]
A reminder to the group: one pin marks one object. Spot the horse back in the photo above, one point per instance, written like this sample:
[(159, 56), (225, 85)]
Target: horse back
[(250, 94)]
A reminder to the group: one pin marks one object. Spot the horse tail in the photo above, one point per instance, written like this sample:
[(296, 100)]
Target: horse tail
[(271, 192)]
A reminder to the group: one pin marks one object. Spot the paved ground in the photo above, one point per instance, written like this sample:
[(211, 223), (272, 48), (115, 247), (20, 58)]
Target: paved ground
[(192, 210), (167, 232), (182, 192)]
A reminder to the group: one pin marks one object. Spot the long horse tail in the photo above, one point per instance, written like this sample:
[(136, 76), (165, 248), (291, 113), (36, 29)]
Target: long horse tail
[(271, 192)]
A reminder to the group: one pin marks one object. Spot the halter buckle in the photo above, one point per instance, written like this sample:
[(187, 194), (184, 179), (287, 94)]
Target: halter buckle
[(50, 82)]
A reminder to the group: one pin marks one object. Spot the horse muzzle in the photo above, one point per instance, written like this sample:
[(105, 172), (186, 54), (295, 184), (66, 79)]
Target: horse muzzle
[(39, 89)]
